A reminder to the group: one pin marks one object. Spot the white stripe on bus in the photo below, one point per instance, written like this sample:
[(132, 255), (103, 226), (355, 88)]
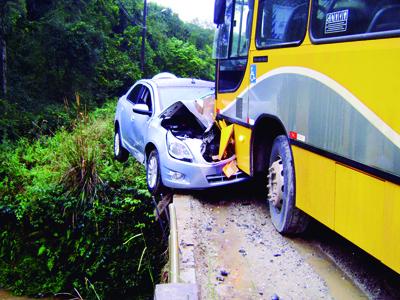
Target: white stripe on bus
[(373, 118)]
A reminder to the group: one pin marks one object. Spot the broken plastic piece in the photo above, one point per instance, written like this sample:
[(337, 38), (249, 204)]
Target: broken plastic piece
[(221, 124), (226, 136), (230, 168)]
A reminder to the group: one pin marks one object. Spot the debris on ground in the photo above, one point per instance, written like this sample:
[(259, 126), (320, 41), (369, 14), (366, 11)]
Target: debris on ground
[(224, 273)]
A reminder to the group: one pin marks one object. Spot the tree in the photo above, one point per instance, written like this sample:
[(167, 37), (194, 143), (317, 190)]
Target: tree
[(183, 59), (52, 50), (9, 13)]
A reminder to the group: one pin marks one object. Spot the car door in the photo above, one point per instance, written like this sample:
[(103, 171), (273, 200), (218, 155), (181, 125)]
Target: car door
[(140, 121), (127, 103)]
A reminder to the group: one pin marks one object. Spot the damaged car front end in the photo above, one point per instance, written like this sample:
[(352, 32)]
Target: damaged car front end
[(190, 159), (177, 141)]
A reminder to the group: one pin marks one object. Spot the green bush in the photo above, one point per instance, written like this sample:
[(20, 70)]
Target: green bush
[(56, 49), (72, 220)]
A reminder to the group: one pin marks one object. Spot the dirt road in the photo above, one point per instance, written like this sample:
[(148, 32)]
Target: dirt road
[(239, 255)]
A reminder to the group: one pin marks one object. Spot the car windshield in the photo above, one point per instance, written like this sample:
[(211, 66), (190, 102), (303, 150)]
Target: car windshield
[(170, 95)]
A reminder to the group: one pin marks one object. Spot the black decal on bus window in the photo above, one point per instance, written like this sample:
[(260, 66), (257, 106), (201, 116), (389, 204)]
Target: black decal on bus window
[(336, 21), (343, 20)]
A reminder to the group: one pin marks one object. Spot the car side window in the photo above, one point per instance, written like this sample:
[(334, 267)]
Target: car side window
[(133, 96), (145, 97)]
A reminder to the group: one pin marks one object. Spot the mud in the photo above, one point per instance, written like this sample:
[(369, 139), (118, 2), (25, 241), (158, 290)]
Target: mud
[(259, 264), (371, 276), (339, 284), (239, 255), (4, 295)]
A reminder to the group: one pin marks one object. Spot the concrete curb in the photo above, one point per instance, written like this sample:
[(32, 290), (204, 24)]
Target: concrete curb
[(176, 291), (181, 248), (186, 241)]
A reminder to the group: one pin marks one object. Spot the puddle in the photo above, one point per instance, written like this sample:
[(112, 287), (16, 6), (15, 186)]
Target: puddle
[(339, 284)]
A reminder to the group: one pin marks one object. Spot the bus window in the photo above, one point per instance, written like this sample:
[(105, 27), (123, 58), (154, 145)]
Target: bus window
[(281, 22), (241, 29), (349, 20), (231, 44)]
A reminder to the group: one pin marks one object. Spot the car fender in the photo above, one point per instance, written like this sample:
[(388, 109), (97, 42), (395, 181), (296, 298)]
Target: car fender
[(156, 135)]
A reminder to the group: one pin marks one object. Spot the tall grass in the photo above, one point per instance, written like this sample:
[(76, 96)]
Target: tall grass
[(82, 179), (69, 212)]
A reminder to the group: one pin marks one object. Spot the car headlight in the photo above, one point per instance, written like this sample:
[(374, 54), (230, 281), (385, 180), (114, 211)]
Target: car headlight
[(178, 149)]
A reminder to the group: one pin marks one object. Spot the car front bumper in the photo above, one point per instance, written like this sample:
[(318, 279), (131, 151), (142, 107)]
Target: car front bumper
[(186, 175)]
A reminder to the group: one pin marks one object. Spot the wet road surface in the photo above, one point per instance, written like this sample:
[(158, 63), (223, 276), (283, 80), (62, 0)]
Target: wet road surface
[(239, 255)]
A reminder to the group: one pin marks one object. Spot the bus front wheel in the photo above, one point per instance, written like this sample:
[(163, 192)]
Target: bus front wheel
[(286, 218)]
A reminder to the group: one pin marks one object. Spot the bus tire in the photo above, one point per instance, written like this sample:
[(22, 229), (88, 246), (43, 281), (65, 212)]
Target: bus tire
[(285, 216)]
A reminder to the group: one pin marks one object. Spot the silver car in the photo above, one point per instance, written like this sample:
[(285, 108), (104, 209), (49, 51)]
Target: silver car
[(159, 123)]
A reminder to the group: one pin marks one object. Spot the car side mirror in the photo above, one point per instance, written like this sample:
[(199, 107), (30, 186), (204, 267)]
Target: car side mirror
[(141, 109), (219, 12)]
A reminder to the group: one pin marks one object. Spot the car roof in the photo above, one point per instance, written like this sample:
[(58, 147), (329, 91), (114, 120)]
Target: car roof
[(181, 82)]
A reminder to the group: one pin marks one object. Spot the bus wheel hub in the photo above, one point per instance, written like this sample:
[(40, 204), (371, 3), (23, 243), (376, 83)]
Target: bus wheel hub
[(276, 183)]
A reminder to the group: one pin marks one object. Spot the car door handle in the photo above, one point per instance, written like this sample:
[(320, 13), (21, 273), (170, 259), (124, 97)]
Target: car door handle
[(132, 118)]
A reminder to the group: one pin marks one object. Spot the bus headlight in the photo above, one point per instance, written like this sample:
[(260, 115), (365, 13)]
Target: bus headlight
[(178, 149)]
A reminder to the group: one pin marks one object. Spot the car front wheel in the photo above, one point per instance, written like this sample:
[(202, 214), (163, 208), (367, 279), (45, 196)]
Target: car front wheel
[(153, 173)]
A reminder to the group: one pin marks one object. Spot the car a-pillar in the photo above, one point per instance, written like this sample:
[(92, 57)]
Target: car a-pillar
[(273, 170)]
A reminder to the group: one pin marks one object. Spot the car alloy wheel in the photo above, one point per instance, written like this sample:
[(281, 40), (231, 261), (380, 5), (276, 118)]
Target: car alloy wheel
[(120, 153), (116, 144), (153, 173)]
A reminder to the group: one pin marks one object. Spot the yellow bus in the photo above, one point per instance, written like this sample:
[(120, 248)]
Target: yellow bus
[(312, 88)]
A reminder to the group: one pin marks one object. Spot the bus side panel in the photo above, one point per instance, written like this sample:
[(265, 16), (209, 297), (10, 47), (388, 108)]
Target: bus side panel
[(359, 209), (362, 208), (391, 226), (315, 185)]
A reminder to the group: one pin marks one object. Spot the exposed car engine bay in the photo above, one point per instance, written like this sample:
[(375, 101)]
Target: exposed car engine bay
[(184, 121)]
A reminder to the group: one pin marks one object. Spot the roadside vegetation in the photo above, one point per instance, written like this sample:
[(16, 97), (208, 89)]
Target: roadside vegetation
[(72, 220), (55, 50)]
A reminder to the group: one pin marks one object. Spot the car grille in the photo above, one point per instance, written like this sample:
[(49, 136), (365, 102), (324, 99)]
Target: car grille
[(221, 177)]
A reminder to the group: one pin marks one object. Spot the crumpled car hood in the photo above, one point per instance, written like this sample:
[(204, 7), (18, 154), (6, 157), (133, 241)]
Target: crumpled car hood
[(193, 123), (190, 108)]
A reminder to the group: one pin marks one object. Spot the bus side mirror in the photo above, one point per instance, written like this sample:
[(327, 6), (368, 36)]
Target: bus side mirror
[(219, 12)]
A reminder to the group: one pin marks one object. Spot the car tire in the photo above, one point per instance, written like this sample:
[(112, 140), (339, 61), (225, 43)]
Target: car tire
[(120, 153), (285, 216), (153, 173)]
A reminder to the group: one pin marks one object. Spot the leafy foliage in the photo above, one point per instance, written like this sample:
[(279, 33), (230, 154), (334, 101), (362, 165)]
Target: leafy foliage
[(183, 58), (57, 49), (73, 218)]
